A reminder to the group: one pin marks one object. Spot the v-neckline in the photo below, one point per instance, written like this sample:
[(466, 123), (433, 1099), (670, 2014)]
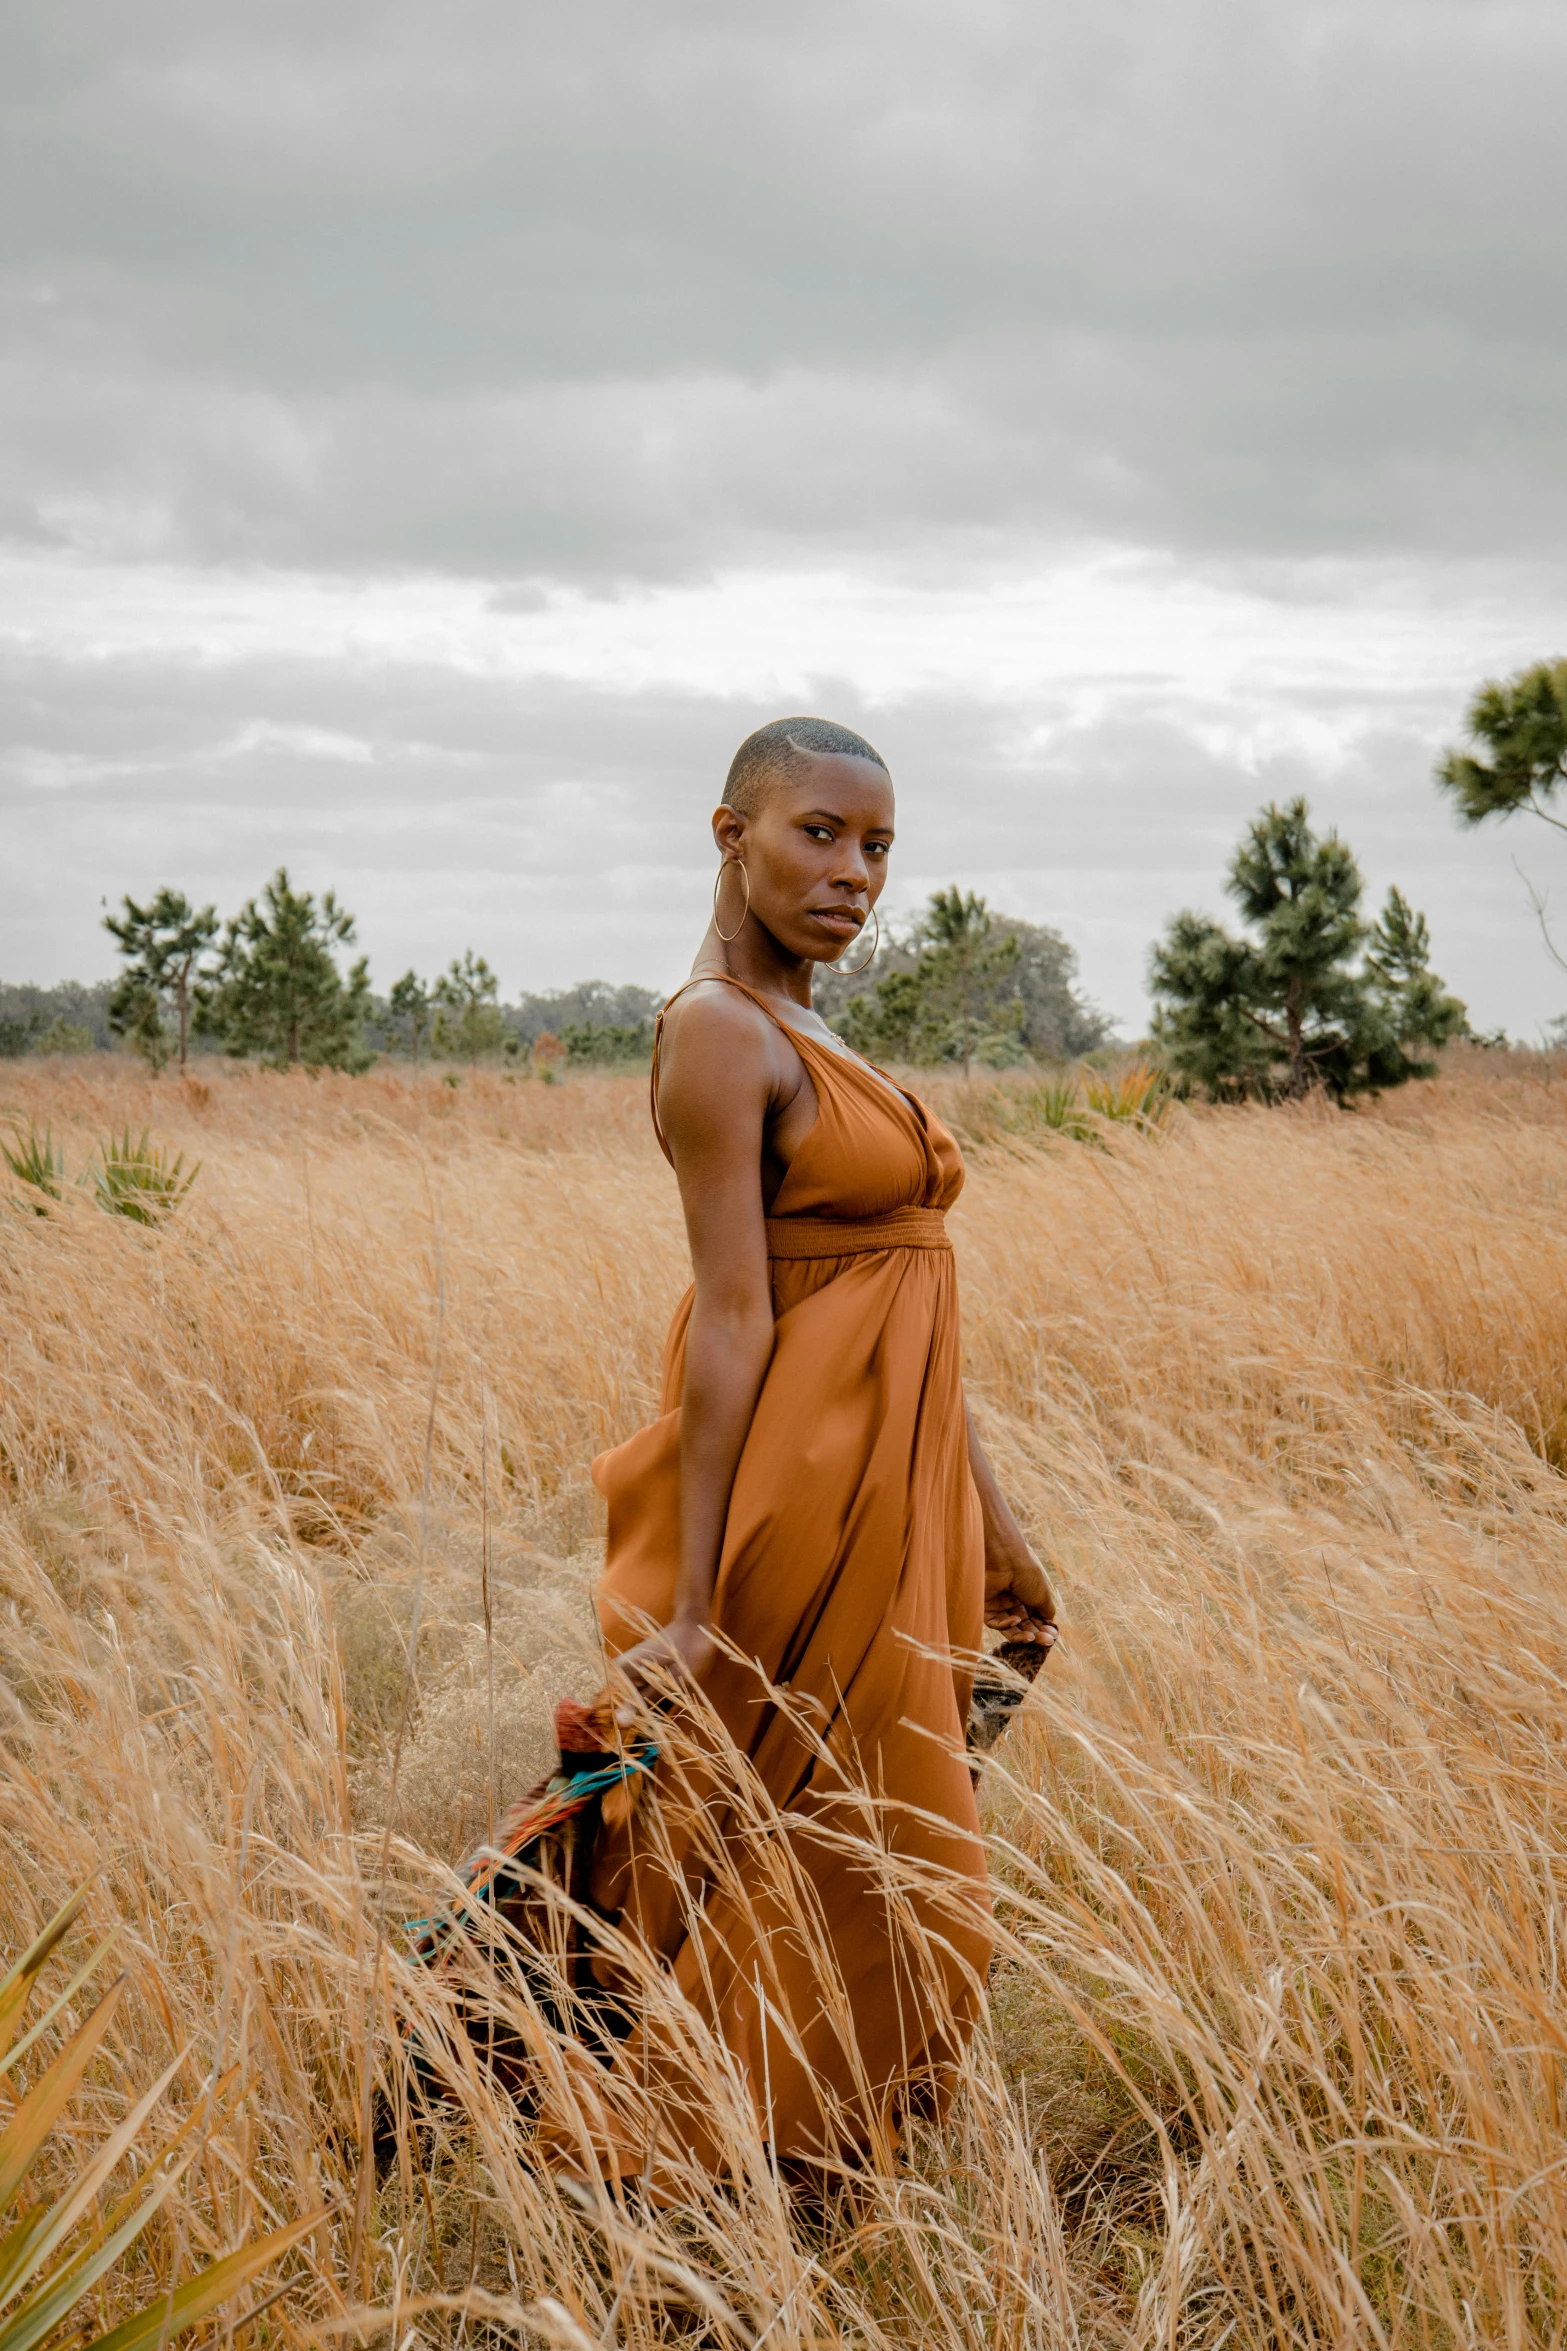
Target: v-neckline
[(844, 1054)]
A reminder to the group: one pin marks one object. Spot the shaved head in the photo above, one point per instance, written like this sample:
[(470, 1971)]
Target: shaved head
[(782, 753)]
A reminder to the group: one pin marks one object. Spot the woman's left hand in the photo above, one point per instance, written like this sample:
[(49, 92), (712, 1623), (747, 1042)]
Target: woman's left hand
[(1018, 1599), (681, 1652)]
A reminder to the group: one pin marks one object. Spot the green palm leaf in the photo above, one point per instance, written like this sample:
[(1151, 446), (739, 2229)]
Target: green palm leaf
[(34, 2261), (16, 1987), (202, 2294)]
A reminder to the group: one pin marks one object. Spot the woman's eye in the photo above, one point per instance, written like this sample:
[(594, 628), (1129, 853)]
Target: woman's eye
[(819, 832), (877, 848)]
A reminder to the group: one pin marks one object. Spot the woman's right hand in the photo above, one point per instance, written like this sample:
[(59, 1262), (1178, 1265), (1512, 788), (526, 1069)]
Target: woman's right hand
[(681, 1650)]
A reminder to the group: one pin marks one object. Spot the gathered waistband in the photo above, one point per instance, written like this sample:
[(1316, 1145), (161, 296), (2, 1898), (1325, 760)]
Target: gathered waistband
[(819, 1236)]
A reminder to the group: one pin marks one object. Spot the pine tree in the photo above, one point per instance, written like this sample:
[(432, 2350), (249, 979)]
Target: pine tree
[(1207, 989), (1522, 723), (165, 946), (410, 1002), (1302, 894), (959, 969), (1314, 997), (1408, 1006), (279, 993), (469, 1022), (950, 1006)]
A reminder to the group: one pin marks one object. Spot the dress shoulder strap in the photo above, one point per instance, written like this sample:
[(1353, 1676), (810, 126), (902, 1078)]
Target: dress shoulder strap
[(658, 1030)]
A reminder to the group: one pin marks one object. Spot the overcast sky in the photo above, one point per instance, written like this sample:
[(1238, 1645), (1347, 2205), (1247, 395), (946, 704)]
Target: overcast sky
[(430, 438)]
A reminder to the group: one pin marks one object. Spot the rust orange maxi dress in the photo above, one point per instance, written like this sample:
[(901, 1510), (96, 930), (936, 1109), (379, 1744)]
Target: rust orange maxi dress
[(852, 1569)]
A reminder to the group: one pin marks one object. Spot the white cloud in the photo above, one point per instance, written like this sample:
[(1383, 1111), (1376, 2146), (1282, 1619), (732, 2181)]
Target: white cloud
[(1083, 742), (260, 734)]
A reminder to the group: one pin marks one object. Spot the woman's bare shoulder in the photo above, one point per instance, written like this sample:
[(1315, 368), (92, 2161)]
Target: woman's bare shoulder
[(717, 1038), (710, 1011)]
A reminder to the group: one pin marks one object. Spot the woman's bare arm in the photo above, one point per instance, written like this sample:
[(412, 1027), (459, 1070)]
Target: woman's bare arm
[(1018, 1598), (722, 1072)]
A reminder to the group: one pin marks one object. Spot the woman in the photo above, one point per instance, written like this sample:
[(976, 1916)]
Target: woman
[(810, 1534)]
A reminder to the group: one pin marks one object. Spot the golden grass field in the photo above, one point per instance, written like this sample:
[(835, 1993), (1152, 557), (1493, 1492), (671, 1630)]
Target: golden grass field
[(1278, 2030)]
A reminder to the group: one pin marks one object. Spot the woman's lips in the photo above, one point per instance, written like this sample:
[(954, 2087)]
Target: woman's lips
[(839, 918)]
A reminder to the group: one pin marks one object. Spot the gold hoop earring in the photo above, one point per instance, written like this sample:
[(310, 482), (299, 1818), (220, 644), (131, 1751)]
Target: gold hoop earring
[(847, 972), (718, 883)]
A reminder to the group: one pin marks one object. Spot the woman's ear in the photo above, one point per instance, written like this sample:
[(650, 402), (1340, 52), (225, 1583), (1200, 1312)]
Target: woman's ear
[(729, 829)]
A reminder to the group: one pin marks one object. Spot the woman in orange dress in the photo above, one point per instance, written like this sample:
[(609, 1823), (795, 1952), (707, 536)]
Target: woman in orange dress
[(810, 1533)]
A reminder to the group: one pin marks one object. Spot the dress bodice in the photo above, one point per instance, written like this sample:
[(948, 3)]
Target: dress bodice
[(872, 1148)]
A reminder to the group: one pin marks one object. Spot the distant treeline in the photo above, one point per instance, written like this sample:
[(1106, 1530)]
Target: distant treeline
[(69, 1018), (595, 1022), (273, 985)]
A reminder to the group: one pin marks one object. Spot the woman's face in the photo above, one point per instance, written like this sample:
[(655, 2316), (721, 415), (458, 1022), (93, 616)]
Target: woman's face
[(816, 854)]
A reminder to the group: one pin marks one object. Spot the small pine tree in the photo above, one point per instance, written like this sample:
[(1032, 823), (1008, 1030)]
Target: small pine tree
[(1302, 894), (411, 1004), (1295, 1005), (1408, 1007), (1207, 992), (166, 949), (279, 993), (64, 1036), (469, 1022)]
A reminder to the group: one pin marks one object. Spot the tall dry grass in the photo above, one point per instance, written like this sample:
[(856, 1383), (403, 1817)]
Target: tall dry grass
[(1276, 2040)]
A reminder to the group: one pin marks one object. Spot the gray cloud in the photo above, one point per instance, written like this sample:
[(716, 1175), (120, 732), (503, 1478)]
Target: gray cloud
[(614, 290)]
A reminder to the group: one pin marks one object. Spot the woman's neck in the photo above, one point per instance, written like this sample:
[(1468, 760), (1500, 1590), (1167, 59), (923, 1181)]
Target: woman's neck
[(757, 961)]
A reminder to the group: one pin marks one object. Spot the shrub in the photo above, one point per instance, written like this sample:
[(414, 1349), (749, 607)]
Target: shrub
[(1078, 1105), (64, 1036), (1057, 1107), (137, 1179), (1139, 1096), (37, 1162), (608, 1044)]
